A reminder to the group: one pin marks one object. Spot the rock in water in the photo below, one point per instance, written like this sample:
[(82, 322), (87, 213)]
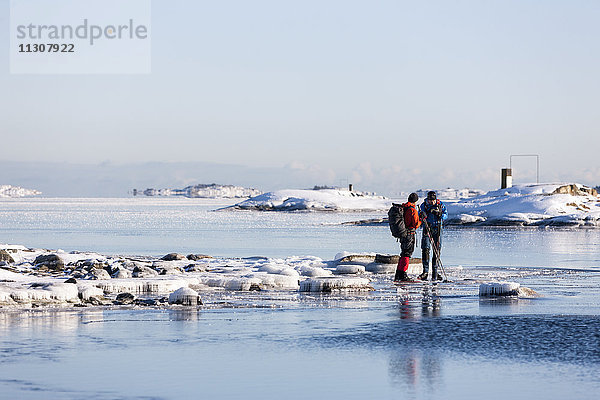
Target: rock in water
[(185, 296), (125, 298), (387, 259)]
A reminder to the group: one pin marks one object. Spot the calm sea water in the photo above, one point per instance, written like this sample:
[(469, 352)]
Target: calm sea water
[(422, 342), (155, 226)]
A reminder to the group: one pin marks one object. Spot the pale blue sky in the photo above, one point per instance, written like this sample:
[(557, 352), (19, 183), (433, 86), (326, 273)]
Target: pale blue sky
[(382, 93)]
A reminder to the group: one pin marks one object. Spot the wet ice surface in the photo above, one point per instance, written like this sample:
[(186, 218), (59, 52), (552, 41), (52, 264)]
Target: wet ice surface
[(409, 341), (413, 341)]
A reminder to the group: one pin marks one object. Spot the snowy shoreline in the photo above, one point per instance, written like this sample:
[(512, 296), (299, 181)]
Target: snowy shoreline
[(37, 277), (32, 278)]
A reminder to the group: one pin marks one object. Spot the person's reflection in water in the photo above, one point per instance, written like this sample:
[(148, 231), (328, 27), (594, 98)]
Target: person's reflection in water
[(430, 302), (416, 370), (416, 367), (405, 309)]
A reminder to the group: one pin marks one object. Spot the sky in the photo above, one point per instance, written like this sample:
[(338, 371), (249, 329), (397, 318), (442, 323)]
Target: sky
[(387, 95)]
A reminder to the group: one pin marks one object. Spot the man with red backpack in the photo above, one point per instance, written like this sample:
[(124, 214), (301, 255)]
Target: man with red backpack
[(407, 240), (433, 212)]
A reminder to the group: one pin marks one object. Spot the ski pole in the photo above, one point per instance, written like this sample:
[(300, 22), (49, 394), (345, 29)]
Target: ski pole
[(435, 248)]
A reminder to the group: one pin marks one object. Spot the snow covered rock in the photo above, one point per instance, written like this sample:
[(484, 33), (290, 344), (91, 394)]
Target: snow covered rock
[(6, 257), (97, 274), (196, 268), (505, 289), (196, 257), (185, 296), (50, 261), (121, 273), (346, 257), (141, 271), (173, 257)]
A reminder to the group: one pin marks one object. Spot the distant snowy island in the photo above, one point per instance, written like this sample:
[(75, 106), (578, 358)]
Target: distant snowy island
[(210, 191), (329, 199), (16, 191)]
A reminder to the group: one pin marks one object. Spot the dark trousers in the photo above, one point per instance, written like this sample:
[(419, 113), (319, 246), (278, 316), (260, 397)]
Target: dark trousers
[(426, 245), (407, 245)]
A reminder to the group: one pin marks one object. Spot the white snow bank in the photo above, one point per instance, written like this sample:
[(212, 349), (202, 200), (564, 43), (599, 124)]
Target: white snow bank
[(540, 204), (314, 200)]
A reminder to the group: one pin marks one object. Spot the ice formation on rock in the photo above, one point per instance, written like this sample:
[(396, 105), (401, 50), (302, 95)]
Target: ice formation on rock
[(499, 289), (185, 296), (334, 284)]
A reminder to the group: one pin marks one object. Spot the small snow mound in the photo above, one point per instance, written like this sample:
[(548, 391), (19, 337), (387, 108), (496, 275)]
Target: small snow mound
[(334, 284), (185, 296), (499, 289)]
